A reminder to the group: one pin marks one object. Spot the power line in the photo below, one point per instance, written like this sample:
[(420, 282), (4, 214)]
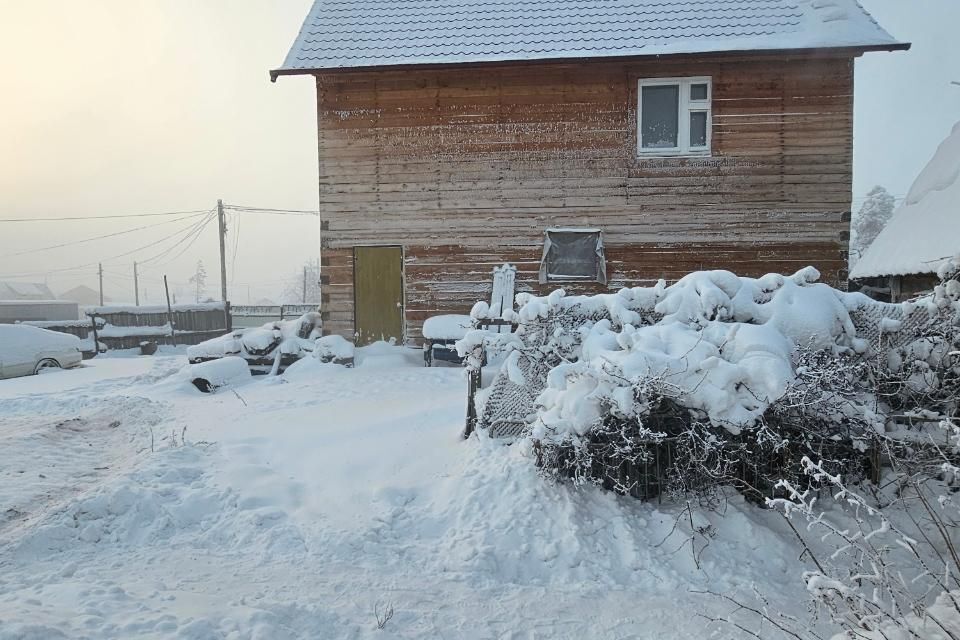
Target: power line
[(108, 235), (186, 235), (89, 264), (110, 217), (294, 212), (236, 241), (190, 239)]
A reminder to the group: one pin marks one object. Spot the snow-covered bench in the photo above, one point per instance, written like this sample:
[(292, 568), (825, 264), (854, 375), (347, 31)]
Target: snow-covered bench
[(440, 334)]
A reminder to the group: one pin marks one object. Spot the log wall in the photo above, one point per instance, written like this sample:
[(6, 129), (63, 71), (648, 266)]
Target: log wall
[(466, 167)]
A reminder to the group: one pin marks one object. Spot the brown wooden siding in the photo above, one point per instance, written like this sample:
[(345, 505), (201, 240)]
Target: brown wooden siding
[(465, 168)]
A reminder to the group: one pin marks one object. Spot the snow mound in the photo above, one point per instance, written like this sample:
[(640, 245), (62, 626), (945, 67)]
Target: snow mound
[(447, 327), (333, 348), (212, 375), (169, 499)]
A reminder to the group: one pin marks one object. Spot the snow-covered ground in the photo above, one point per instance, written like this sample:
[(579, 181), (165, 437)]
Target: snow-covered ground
[(132, 505)]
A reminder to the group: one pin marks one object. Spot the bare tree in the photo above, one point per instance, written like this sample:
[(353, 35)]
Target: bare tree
[(199, 280), (304, 286)]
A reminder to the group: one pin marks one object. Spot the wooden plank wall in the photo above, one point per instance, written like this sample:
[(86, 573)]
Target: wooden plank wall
[(466, 167)]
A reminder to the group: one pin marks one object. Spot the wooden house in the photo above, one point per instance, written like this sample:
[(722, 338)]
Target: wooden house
[(594, 144), (903, 260)]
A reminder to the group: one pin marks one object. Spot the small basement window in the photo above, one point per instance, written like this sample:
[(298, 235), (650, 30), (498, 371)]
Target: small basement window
[(674, 116), (571, 255)]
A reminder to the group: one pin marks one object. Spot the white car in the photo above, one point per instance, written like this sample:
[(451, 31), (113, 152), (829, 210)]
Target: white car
[(26, 350)]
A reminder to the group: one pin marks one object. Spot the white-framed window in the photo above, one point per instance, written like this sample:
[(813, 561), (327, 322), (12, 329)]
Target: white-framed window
[(674, 116), (573, 255)]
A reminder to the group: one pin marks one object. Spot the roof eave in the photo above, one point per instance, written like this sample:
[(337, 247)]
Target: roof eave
[(855, 50)]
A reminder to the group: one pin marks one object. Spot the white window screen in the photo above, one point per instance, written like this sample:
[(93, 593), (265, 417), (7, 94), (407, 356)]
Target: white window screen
[(674, 116), (573, 255)]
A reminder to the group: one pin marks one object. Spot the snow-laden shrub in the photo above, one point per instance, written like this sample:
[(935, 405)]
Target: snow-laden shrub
[(755, 373), (884, 558), (723, 346), (787, 390)]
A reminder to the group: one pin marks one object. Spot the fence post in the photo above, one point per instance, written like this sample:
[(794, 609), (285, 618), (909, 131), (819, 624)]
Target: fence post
[(473, 384), (173, 333), (96, 338)]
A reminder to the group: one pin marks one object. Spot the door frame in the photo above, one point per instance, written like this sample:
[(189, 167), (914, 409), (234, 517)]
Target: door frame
[(403, 286)]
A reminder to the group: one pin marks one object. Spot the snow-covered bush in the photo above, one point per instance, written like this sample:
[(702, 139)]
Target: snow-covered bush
[(783, 388), (889, 548), (717, 380)]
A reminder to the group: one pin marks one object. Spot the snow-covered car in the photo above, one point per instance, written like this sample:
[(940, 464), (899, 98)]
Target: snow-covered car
[(26, 350), (275, 345)]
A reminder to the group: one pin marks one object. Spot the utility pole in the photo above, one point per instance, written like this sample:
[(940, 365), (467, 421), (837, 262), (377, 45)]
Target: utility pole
[(304, 301), (136, 286), (100, 272), (223, 263), (223, 252)]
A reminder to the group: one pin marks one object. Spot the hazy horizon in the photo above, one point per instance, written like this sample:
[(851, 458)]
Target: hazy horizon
[(115, 107)]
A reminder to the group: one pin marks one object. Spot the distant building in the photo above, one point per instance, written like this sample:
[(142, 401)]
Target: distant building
[(12, 311), (25, 291), (902, 262), (84, 296)]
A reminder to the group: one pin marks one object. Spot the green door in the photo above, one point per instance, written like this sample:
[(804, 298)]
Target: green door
[(378, 293)]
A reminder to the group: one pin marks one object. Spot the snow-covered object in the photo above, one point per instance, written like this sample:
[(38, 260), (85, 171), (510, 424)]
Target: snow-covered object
[(925, 230), (292, 337), (22, 343), (366, 33), (333, 349), (215, 374), (447, 327), (719, 344)]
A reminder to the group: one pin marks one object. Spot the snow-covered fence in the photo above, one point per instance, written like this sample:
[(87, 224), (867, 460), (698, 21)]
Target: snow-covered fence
[(258, 314), (125, 327)]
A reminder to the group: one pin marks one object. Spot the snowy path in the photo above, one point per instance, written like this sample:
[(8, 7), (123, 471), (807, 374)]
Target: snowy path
[(299, 505)]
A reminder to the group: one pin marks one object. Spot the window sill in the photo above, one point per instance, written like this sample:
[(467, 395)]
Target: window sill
[(653, 155)]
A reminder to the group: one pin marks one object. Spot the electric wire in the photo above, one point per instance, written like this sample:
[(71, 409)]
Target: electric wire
[(101, 237), (90, 264), (246, 209), (190, 240), (108, 217), (235, 223), (187, 235)]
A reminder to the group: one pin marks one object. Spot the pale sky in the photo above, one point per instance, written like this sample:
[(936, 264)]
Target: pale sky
[(111, 107)]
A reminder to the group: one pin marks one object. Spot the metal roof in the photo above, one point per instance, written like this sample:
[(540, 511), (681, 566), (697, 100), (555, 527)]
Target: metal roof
[(340, 34)]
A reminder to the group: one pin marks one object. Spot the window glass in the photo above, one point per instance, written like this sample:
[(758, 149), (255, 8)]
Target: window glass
[(698, 92), (698, 128), (573, 255), (660, 108)]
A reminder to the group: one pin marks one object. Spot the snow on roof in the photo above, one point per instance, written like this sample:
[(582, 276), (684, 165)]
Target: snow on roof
[(370, 33), (925, 230), (25, 291)]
